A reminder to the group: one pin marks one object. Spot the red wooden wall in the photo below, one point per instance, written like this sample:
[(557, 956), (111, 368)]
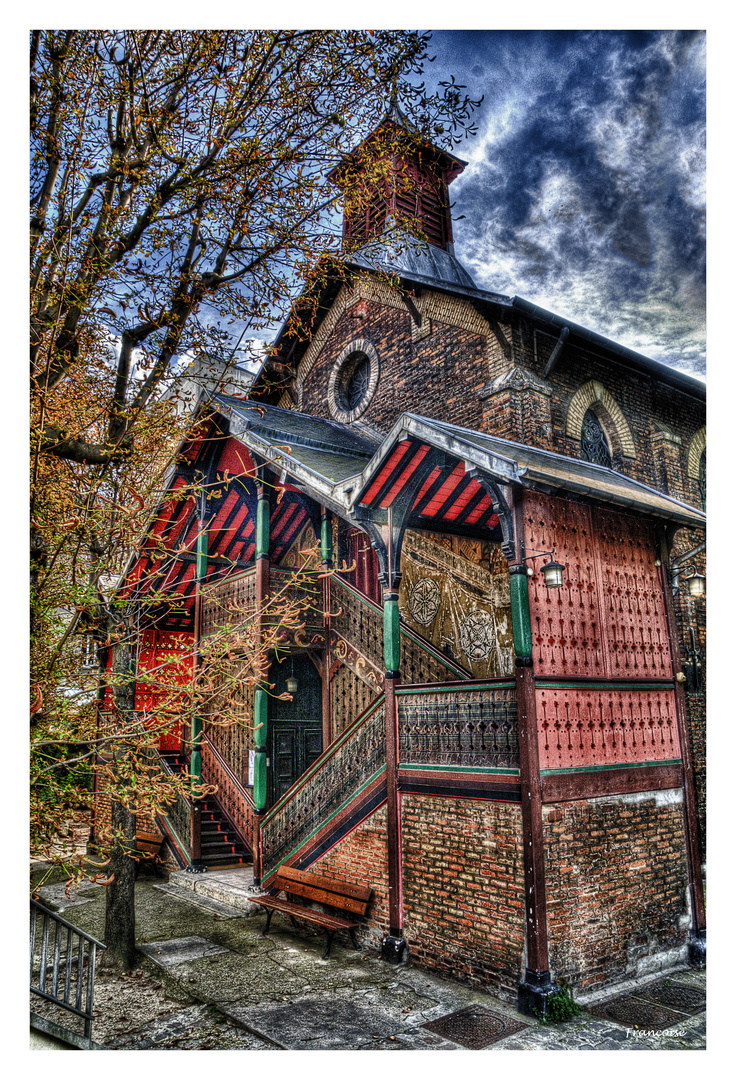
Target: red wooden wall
[(607, 623)]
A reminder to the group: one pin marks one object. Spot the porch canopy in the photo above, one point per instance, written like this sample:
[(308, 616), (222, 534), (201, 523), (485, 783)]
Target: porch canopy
[(431, 474)]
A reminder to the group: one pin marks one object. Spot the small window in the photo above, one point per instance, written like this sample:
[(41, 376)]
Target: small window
[(593, 441), (353, 385)]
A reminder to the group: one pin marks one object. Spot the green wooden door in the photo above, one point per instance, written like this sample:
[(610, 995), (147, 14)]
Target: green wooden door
[(295, 728)]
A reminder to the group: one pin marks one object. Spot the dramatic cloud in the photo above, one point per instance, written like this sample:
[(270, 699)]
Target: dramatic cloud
[(585, 185)]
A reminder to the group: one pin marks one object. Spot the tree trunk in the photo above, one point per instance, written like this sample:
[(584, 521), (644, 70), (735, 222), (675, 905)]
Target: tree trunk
[(120, 896)]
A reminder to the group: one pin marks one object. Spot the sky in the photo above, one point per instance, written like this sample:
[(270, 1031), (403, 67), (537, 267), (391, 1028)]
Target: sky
[(585, 185)]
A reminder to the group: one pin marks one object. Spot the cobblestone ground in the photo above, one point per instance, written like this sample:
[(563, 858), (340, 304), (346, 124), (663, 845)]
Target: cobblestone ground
[(208, 980)]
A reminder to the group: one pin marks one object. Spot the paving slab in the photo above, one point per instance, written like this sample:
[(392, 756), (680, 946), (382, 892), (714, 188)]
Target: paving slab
[(318, 1023), (178, 951)]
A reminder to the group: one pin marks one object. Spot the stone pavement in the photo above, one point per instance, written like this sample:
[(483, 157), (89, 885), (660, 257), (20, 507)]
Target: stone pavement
[(209, 980)]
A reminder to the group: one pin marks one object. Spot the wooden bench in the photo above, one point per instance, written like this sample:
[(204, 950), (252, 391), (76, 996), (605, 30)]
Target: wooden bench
[(351, 899)]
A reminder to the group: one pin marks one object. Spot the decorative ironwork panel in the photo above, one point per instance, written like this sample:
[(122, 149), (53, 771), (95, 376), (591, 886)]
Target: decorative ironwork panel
[(231, 793), (335, 777), (464, 726), (581, 727), (608, 618), (229, 602), (350, 691), (232, 741)]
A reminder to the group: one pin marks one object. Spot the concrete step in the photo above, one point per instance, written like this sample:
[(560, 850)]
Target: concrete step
[(232, 886)]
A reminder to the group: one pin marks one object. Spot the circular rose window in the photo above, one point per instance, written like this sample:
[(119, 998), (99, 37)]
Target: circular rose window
[(353, 381)]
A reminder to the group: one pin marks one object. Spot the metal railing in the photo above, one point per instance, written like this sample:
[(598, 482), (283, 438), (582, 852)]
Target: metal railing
[(70, 967)]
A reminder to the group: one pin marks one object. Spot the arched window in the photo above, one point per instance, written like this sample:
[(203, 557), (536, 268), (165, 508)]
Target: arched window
[(593, 442), (696, 464), (701, 479), (607, 436)]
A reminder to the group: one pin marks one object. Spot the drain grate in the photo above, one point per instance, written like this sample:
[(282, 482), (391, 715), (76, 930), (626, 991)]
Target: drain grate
[(474, 1027), (635, 1012), (674, 995)]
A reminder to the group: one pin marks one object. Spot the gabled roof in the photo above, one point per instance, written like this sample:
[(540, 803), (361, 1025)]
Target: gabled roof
[(339, 466)]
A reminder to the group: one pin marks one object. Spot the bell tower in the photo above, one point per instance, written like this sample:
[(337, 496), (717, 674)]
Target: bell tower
[(397, 178)]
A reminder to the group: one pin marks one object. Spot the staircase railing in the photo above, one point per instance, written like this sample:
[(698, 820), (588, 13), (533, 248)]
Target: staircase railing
[(177, 817), (63, 973), (338, 775), (359, 621), (234, 799)]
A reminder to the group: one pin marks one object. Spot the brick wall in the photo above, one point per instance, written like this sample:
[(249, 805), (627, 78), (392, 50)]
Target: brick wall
[(438, 375), (362, 858), (464, 888), (616, 886)]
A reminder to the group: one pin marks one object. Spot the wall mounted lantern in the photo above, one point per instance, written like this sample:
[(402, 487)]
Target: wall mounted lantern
[(696, 584), (292, 683), (552, 571)]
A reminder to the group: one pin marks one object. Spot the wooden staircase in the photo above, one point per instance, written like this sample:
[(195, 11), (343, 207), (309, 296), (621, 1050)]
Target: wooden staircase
[(221, 844)]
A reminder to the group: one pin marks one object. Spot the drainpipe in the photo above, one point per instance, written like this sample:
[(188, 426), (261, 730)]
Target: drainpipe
[(697, 947), (554, 356)]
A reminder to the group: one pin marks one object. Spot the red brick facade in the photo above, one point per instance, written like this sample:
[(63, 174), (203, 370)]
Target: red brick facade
[(464, 888), (616, 887)]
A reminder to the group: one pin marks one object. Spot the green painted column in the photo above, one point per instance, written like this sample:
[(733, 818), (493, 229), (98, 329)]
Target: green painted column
[(263, 526), (260, 708), (520, 617), (260, 723), (326, 539), (391, 637)]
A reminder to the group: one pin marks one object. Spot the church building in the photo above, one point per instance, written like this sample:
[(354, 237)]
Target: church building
[(492, 713)]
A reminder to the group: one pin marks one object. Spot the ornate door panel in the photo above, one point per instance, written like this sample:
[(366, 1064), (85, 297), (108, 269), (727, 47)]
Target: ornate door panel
[(631, 595), (608, 619), (567, 638), (295, 746)]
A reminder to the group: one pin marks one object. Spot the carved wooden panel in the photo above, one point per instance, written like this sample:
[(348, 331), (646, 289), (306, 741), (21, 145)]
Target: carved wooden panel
[(229, 601), (580, 727), (631, 598), (608, 619)]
